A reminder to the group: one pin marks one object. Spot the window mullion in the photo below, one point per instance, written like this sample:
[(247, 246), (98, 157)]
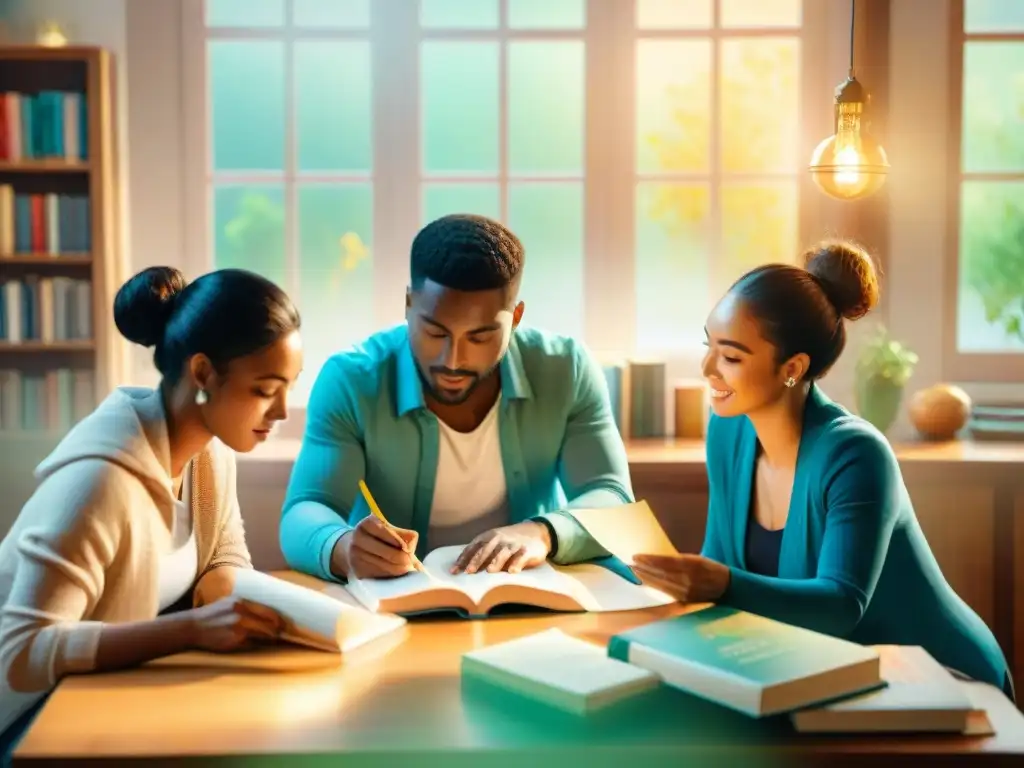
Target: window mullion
[(715, 189), (291, 196), (396, 150), (503, 111), (610, 178)]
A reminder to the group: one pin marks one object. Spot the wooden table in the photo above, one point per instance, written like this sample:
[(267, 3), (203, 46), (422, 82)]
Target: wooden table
[(401, 702)]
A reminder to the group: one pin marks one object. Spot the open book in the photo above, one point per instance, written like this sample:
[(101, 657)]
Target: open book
[(312, 618), (571, 588)]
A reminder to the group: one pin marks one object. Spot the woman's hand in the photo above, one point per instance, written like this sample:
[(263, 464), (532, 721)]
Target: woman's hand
[(687, 578), (232, 624)]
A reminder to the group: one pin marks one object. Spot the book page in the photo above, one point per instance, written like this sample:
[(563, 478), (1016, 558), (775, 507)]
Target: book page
[(544, 577), (311, 617), (434, 576), (593, 587), (603, 590), (626, 531)]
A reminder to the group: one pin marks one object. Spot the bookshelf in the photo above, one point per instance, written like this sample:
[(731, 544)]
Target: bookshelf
[(60, 260)]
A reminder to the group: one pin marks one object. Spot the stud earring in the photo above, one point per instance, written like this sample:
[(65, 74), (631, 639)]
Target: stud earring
[(790, 382), (201, 397)]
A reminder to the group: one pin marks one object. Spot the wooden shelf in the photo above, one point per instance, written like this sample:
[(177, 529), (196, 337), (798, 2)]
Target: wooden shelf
[(35, 347), (46, 260), (45, 165)]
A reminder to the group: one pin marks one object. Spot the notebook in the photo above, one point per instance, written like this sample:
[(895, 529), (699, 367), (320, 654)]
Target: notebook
[(920, 696), (312, 618), (747, 662), (571, 588), (561, 670)]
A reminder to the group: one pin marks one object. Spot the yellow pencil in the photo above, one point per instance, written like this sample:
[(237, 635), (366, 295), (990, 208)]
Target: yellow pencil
[(375, 510)]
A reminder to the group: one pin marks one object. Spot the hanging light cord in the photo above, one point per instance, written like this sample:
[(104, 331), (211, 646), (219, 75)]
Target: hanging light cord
[(853, 27)]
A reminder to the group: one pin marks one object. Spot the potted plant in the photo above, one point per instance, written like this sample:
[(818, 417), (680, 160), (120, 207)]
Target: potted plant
[(883, 369)]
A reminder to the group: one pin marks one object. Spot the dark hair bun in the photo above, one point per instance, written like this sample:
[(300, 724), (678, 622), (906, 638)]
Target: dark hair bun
[(144, 304), (847, 275)]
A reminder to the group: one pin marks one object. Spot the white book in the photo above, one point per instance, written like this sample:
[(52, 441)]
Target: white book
[(920, 696), (72, 152), (312, 618), (53, 245), (570, 588), (13, 308), (564, 671)]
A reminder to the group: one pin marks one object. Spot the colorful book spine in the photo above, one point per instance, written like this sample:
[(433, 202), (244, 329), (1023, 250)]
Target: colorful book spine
[(44, 224), (45, 309), (45, 125), (53, 400)]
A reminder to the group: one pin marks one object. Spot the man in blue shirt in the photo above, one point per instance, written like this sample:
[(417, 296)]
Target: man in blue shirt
[(467, 429)]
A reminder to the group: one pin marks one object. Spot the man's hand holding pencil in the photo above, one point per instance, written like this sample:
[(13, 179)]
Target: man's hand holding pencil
[(376, 549)]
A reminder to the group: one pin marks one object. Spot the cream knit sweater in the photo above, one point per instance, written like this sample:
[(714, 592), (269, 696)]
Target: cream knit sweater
[(85, 550)]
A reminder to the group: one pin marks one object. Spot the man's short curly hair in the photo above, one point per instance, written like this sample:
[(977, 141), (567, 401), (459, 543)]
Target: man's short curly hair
[(466, 252)]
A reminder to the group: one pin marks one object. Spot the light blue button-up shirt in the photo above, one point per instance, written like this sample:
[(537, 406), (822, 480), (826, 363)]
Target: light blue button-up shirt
[(367, 419)]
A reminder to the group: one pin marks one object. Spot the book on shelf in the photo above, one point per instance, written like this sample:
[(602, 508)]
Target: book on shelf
[(46, 309), (50, 401), (52, 223), (616, 377), (313, 618), (558, 669), (45, 124), (749, 663), (571, 588), (920, 696)]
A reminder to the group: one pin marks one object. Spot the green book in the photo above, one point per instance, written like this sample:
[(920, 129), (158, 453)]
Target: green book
[(747, 662)]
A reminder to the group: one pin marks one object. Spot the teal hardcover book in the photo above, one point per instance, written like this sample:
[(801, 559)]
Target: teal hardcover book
[(747, 662)]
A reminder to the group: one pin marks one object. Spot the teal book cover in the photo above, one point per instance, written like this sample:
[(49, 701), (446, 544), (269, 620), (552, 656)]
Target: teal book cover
[(744, 644)]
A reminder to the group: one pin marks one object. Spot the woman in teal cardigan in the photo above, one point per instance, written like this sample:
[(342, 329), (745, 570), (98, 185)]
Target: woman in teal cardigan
[(809, 521)]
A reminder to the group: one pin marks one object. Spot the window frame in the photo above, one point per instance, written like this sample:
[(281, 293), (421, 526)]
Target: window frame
[(992, 367), (609, 175)]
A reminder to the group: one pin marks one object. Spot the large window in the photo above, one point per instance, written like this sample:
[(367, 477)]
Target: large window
[(646, 152), (717, 155), (987, 336), (502, 92)]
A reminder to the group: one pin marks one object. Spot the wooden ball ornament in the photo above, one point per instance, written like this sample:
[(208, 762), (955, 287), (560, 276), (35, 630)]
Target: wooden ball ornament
[(940, 411)]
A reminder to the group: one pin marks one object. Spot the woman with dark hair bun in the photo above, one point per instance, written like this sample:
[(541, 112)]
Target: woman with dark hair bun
[(136, 507), (809, 521)]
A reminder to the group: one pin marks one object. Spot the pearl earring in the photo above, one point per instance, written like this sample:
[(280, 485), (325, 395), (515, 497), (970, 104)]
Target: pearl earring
[(790, 382), (201, 397)]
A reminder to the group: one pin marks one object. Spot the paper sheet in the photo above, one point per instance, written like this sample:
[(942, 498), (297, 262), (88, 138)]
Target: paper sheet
[(626, 531)]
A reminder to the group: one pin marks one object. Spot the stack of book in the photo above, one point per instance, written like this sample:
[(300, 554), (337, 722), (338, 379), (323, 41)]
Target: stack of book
[(45, 309), (48, 401), (44, 125), (636, 390), (746, 663)]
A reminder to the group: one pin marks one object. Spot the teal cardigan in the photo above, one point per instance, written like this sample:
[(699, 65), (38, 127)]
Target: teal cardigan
[(853, 561), (367, 419)]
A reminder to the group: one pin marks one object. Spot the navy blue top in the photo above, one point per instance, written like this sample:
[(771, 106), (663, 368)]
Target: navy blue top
[(763, 547)]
